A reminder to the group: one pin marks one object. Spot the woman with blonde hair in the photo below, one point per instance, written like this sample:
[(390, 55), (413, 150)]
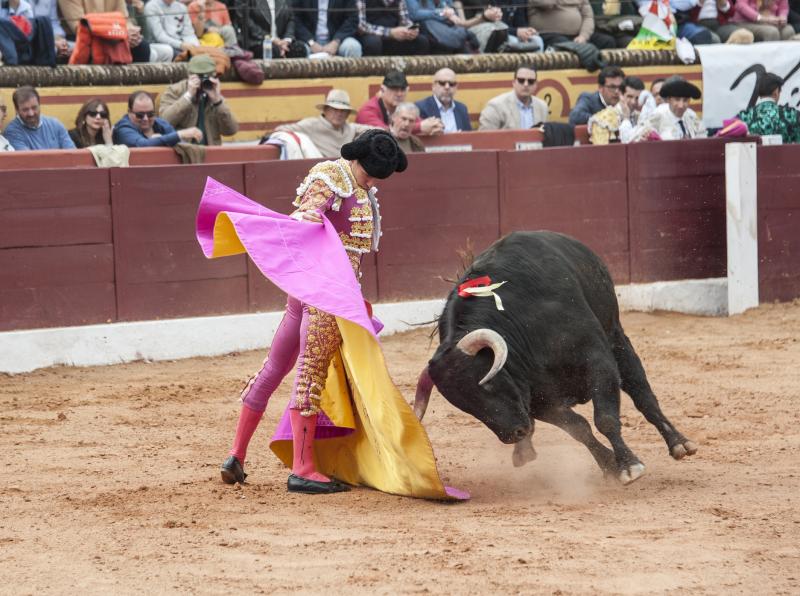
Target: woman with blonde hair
[(92, 125)]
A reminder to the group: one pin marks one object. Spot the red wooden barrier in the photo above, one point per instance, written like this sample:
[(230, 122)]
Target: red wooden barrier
[(497, 140), (580, 191), (56, 256), (778, 222)]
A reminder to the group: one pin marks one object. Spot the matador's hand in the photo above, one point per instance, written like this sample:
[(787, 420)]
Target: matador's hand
[(307, 216)]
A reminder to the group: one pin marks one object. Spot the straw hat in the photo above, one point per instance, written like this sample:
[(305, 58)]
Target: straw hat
[(338, 99)]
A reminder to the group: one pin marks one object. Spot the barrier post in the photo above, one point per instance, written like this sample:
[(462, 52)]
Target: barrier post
[(742, 229)]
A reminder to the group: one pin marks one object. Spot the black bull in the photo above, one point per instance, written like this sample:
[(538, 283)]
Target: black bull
[(557, 343)]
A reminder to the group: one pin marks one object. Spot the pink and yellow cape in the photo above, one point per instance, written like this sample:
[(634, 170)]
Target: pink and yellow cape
[(375, 439)]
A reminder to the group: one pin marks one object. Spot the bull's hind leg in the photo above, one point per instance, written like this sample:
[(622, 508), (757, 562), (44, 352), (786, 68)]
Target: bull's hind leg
[(523, 450), (635, 384), (579, 429)]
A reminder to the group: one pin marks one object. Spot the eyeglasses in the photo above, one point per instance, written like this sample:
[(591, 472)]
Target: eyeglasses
[(524, 81), (447, 83), (143, 115), (96, 113)]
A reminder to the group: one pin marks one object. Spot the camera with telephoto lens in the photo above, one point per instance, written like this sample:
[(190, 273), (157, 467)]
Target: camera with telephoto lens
[(206, 84)]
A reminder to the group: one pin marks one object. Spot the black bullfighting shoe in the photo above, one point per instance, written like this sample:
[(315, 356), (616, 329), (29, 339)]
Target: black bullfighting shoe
[(232, 471), (298, 484)]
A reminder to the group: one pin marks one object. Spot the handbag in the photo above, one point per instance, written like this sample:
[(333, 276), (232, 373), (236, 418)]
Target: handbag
[(445, 34)]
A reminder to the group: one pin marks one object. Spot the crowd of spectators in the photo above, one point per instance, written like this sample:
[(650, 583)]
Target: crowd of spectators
[(162, 30), (195, 111)]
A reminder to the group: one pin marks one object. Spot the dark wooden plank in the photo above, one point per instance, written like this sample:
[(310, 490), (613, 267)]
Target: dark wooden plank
[(165, 300), (57, 306), (54, 266)]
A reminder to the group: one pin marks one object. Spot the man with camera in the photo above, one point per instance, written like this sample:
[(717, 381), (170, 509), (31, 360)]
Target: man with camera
[(198, 101)]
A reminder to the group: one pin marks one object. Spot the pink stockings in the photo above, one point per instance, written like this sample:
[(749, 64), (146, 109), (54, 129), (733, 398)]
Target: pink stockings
[(314, 336)]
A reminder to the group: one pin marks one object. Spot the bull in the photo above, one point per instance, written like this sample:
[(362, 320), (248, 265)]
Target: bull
[(554, 341)]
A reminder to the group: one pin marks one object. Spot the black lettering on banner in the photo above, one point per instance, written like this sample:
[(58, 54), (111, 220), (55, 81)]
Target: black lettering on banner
[(759, 70)]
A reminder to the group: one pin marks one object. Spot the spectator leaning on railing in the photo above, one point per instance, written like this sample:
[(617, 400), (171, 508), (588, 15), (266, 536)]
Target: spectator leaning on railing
[(327, 26), (198, 101), (140, 127), (30, 130), (609, 91)]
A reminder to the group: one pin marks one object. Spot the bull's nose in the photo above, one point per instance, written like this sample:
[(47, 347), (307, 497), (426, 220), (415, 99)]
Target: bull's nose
[(520, 433)]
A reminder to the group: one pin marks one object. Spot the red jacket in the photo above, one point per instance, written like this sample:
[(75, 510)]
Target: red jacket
[(102, 38), (373, 113)]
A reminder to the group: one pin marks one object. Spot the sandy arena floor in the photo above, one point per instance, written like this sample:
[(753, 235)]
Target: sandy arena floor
[(111, 485)]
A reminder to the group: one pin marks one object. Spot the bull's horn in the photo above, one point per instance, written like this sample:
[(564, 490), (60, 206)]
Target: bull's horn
[(474, 341), (424, 388)]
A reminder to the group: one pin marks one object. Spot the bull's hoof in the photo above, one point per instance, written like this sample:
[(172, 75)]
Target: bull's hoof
[(631, 473), (522, 455), (681, 450)]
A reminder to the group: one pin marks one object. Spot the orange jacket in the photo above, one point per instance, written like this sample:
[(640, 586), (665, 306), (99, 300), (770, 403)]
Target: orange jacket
[(102, 38)]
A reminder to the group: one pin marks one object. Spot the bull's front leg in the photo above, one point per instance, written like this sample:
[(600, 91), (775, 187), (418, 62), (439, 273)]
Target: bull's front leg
[(523, 450)]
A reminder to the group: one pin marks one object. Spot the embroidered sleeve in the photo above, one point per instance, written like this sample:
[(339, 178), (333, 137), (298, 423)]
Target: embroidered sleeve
[(317, 197)]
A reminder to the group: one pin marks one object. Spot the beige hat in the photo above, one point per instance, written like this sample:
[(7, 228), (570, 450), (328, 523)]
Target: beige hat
[(741, 36), (338, 99)]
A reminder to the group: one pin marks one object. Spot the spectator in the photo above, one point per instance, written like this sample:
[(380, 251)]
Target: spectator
[(386, 29), (515, 15), (673, 119), (329, 26), (566, 20), (378, 110), (256, 20), (141, 50), (442, 103), (49, 10), (330, 130), (140, 127), (794, 14), (618, 18), (92, 125), (212, 17), (766, 19), (30, 130), (441, 24), (714, 16), (655, 89), (609, 92), (197, 101), (635, 106), (694, 32), (485, 21), (402, 125), (518, 108), (769, 118), (4, 144), (168, 23)]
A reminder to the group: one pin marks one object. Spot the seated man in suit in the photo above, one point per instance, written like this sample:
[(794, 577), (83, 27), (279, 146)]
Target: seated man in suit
[(518, 108), (329, 27), (442, 104), (609, 92)]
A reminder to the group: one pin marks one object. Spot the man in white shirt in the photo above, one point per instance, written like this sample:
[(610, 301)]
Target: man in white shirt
[(442, 104), (673, 119)]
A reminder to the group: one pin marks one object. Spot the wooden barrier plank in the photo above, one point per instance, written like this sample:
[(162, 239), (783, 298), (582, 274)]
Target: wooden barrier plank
[(55, 286), (778, 222), (161, 271), (440, 205), (677, 210), (579, 191)]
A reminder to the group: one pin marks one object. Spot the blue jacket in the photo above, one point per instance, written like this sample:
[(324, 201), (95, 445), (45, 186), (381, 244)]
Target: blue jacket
[(126, 133), (51, 134), (588, 105), (427, 108)]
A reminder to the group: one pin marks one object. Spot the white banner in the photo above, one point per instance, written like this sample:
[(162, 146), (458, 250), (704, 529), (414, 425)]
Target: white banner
[(730, 73)]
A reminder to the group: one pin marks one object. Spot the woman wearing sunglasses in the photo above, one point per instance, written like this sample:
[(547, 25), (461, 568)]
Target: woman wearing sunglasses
[(92, 125)]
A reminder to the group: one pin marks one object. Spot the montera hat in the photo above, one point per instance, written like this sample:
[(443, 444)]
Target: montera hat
[(338, 99), (202, 64), (395, 79), (378, 153), (679, 87)]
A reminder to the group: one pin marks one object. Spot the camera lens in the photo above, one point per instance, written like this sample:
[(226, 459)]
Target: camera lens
[(205, 83)]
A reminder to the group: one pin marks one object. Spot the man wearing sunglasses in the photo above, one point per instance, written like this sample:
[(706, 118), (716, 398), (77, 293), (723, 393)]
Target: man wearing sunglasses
[(442, 103), (518, 108), (140, 127), (609, 92)]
